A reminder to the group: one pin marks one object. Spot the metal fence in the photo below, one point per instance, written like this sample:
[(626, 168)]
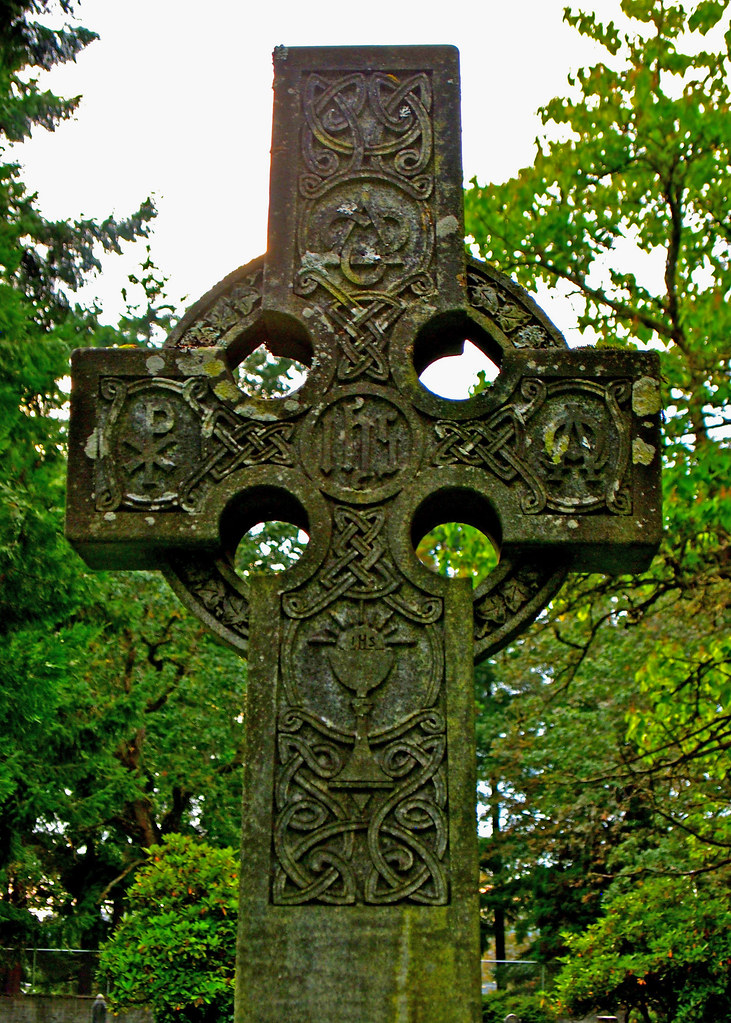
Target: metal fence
[(51, 971), (75, 971), (526, 974)]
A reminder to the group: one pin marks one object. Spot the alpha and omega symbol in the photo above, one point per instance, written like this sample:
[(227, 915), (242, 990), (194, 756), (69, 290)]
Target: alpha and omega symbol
[(574, 442), (580, 446)]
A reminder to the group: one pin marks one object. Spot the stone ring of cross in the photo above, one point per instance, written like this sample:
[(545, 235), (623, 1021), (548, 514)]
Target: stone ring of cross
[(500, 316)]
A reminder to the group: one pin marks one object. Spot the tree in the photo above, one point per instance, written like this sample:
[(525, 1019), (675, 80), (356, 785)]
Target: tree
[(661, 951), (41, 263), (614, 756), (174, 950), (102, 675)]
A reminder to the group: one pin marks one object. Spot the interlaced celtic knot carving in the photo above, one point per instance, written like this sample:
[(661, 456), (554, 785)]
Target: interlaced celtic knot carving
[(331, 850), (492, 444), (361, 792), (227, 312), (570, 456), (365, 222), (359, 566), (358, 653), (372, 123), (521, 321)]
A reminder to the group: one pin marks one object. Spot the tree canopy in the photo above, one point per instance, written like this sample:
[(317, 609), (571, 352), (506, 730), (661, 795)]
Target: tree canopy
[(99, 675), (175, 948), (613, 746)]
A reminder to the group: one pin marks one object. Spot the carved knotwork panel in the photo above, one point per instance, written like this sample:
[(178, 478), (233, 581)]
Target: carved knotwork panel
[(378, 443), (565, 445), (360, 811), (365, 221), (221, 318)]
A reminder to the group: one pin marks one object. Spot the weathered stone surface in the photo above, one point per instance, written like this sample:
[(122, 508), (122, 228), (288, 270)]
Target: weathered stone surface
[(359, 862)]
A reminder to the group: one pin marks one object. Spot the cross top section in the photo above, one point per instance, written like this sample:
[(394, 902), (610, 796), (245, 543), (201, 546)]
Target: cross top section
[(366, 281)]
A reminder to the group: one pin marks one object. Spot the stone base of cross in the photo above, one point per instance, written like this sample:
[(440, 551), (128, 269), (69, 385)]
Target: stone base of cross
[(359, 890)]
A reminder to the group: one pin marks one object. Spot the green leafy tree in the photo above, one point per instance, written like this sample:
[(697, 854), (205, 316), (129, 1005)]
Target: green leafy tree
[(42, 263), (174, 949), (661, 951), (145, 738), (613, 752), (121, 717)]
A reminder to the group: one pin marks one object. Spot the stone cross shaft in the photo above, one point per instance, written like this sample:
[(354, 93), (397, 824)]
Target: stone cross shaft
[(359, 858)]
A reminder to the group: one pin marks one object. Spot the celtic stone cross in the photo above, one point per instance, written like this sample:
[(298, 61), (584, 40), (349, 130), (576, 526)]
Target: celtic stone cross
[(359, 865)]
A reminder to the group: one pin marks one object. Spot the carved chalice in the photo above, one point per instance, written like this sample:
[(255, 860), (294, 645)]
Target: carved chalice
[(361, 661)]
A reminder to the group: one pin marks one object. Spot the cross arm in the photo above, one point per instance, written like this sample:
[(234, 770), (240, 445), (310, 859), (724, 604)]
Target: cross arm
[(563, 451), (159, 440)]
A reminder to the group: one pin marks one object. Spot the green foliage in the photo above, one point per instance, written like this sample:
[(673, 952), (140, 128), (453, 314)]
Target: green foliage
[(457, 549), (528, 1008), (139, 671), (96, 684), (40, 261), (174, 949), (661, 950), (608, 755), (145, 322), (101, 676)]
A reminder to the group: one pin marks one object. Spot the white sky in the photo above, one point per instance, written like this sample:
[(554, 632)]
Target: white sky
[(177, 103)]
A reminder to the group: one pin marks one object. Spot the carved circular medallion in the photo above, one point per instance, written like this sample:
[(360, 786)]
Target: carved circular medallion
[(360, 445), (363, 232)]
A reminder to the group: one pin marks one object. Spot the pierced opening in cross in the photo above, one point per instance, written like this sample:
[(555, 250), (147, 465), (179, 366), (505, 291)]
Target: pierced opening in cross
[(458, 549), (269, 546), (271, 359), (262, 521), (455, 532), (455, 357), (460, 376), (265, 375)]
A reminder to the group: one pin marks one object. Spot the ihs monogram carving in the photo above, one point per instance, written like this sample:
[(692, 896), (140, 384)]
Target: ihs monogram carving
[(363, 439)]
